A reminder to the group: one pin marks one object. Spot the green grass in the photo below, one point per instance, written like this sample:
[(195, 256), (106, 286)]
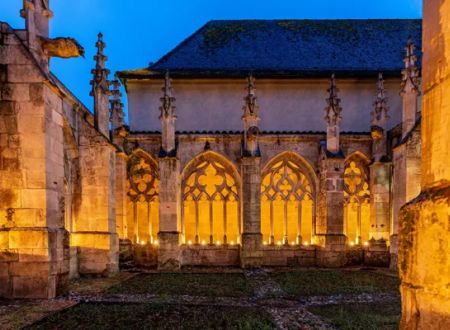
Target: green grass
[(152, 316), (216, 285), (330, 282), (380, 316)]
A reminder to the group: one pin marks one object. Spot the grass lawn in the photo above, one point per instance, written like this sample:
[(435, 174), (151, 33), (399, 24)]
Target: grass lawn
[(381, 316), (214, 284), (152, 316), (329, 282)]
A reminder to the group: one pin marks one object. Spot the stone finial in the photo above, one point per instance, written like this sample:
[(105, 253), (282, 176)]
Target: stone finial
[(37, 15), (250, 118), (333, 116), (100, 88), (410, 72), (250, 106), (380, 111), (117, 115), (167, 107), (167, 117)]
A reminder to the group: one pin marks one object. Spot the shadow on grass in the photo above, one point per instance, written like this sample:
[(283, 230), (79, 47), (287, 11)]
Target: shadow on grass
[(99, 316)]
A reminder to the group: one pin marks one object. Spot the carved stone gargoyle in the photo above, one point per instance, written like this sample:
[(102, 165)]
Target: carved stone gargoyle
[(62, 47)]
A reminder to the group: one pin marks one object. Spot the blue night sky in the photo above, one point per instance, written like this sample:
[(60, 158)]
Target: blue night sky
[(141, 31)]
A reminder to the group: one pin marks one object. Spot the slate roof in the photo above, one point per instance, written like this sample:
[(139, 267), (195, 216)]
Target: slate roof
[(347, 47)]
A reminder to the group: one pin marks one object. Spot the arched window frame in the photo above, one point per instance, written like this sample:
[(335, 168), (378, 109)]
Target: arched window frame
[(143, 186), (359, 192), (303, 167), (223, 167)]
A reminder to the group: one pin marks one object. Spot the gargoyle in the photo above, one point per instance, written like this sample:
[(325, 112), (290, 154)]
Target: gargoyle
[(62, 47)]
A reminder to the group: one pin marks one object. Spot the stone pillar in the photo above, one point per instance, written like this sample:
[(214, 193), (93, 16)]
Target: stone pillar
[(330, 206), (380, 169), (100, 89), (95, 226), (424, 233), (330, 212), (169, 255), (251, 248), (251, 252), (380, 185)]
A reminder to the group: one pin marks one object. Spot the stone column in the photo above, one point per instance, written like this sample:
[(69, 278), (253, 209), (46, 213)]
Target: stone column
[(95, 226), (380, 169), (169, 254), (251, 252), (424, 232), (330, 207), (251, 249), (330, 213)]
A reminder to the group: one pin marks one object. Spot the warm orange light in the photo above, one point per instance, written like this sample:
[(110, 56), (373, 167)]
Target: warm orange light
[(189, 242), (306, 243), (292, 243), (218, 243), (232, 243), (203, 242), (366, 243), (352, 243), (155, 242), (264, 243), (279, 243), (142, 243)]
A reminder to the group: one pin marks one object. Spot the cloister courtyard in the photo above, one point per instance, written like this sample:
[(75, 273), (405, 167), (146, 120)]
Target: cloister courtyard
[(218, 298)]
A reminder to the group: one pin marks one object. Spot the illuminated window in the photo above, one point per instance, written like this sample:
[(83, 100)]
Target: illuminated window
[(210, 203), (143, 196), (357, 201), (287, 204)]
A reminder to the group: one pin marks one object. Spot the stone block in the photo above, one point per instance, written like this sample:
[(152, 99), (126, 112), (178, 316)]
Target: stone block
[(33, 287), (23, 238), (27, 73), (330, 259), (251, 251), (169, 254)]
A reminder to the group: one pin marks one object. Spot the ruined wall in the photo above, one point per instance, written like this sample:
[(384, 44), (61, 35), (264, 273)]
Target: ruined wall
[(286, 105), (424, 232)]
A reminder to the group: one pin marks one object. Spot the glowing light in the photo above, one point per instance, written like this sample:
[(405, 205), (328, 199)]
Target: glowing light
[(292, 243), (232, 243), (352, 243), (366, 243), (203, 242), (306, 243), (218, 243), (264, 243), (189, 242), (155, 242), (279, 243), (142, 243)]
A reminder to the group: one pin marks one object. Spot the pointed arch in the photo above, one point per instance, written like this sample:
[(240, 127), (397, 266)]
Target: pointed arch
[(210, 191), (288, 195), (143, 197), (357, 197)]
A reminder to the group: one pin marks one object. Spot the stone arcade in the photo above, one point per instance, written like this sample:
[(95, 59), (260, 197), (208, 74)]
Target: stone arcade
[(310, 168)]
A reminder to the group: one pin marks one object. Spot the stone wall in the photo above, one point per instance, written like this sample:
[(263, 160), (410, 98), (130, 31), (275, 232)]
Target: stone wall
[(424, 228), (49, 155), (286, 104)]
